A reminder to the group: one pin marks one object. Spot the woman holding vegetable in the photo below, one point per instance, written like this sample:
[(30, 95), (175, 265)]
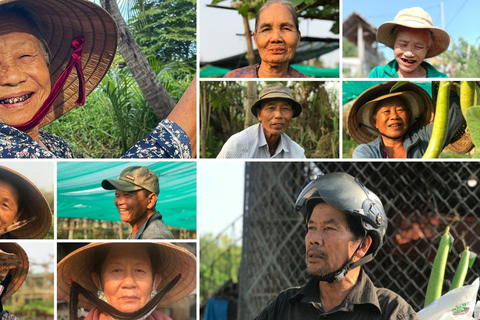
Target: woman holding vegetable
[(42, 42), (413, 38), (397, 124)]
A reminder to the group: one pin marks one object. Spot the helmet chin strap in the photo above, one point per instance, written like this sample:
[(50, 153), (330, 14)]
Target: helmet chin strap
[(347, 266), (112, 312)]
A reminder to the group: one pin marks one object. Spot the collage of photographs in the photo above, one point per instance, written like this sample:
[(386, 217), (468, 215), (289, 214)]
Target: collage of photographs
[(348, 193)]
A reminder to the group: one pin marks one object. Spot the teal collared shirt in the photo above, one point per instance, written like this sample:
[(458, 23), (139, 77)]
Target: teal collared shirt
[(390, 71)]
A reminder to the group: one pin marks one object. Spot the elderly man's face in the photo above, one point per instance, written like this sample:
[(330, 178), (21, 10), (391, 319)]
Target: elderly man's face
[(329, 242), (392, 117), (24, 74), (9, 212), (410, 49), (127, 277), (276, 36), (133, 206), (275, 116)]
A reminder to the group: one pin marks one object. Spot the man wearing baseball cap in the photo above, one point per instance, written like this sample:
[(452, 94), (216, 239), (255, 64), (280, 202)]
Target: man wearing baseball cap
[(136, 193), (275, 109)]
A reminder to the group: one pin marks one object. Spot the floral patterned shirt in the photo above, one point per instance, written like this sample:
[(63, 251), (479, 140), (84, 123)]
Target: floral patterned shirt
[(18, 144), (167, 140), (5, 315), (252, 72)]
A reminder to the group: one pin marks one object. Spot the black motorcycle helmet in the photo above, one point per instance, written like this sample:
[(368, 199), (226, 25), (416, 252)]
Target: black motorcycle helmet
[(345, 193)]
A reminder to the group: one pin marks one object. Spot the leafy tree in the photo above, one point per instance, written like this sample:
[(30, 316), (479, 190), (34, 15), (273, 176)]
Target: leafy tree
[(166, 29), (220, 262), (463, 59)]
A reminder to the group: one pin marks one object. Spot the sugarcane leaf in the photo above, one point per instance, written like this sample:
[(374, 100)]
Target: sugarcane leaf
[(473, 123), (397, 85)]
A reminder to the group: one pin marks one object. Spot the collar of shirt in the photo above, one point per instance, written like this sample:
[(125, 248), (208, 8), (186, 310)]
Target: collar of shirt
[(156, 215), (363, 292), (262, 143)]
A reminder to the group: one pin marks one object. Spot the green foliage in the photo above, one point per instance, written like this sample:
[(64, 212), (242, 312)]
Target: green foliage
[(220, 262), (308, 9), (473, 121), (166, 29), (349, 49), (463, 59)]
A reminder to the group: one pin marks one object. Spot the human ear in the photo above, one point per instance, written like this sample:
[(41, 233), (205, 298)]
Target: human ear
[(366, 243), (152, 200), (96, 280), (157, 279)]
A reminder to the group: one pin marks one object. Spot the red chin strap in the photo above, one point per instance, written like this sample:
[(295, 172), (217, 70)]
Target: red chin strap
[(75, 61)]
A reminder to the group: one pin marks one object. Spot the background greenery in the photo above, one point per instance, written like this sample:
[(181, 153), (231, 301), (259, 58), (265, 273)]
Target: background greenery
[(116, 114)]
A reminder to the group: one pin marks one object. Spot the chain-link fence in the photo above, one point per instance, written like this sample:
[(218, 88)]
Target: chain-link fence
[(420, 199)]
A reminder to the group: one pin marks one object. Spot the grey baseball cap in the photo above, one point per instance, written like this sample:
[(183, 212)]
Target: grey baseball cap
[(277, 91), (133, 179)]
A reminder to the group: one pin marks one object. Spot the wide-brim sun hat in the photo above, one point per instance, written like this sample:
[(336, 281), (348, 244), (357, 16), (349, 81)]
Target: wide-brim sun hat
[(62, 21), (415, 18), (10, 254), (416, 99), (174, 260), (33, 205), (276, 91)]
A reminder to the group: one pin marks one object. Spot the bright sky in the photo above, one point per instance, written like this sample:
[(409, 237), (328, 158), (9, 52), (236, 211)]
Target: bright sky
[(41, 173), (457, 15), (221, 33), (220, 189), (39, 252)]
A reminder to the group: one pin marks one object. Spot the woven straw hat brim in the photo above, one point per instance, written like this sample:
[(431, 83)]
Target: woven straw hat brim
[(362, 109), (34, 205), (18, 274), (174, 260), (440, 44), (63, 20)]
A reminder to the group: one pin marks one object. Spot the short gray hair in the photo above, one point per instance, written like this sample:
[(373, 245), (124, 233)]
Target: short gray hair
[(287, 3), (28, 15)]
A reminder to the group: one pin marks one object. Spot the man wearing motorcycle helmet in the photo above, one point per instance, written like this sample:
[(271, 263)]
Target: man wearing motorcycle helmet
[(345, 225)]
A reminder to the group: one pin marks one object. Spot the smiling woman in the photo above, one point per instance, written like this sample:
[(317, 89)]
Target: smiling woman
[(277, 37), (41, 43), (397, 124)]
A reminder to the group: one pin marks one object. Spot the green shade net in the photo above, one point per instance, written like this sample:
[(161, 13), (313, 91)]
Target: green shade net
[(352, 89), (80, 195), (212, 71), (317, 73)]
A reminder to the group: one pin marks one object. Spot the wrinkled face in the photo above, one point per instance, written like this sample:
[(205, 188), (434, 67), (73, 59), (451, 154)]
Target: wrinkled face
[(133, 206), (8, 205), (276, 36), (24, 74), (392, 117), (329, 242), (127, 278), (275, 116), (410, 49)]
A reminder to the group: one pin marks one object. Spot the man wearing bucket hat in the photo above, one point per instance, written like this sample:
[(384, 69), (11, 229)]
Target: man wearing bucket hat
[(397, 124), (413, 38), (121, 280), (275, 109), (42, 42), (13, 272), (24, 211), (136, 193), (345, 224)]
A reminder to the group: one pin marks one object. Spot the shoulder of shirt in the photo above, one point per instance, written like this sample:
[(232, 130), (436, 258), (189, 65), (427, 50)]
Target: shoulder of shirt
[(292, 144), (244, 137), (51, 136), (245, 72)]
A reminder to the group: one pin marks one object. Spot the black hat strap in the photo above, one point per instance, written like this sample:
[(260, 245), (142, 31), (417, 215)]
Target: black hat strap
[(76, 288)]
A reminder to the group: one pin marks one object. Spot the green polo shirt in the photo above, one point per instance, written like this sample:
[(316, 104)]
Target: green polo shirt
[(390, 71), (363, 302)]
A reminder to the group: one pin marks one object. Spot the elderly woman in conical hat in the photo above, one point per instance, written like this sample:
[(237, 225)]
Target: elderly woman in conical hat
[(125, 280), (13, 272), (24, 211), (413, 38), (397, 124), (53, 54)]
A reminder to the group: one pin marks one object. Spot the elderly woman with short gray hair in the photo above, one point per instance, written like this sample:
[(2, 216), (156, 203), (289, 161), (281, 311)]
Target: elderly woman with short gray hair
[(276, 37)]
